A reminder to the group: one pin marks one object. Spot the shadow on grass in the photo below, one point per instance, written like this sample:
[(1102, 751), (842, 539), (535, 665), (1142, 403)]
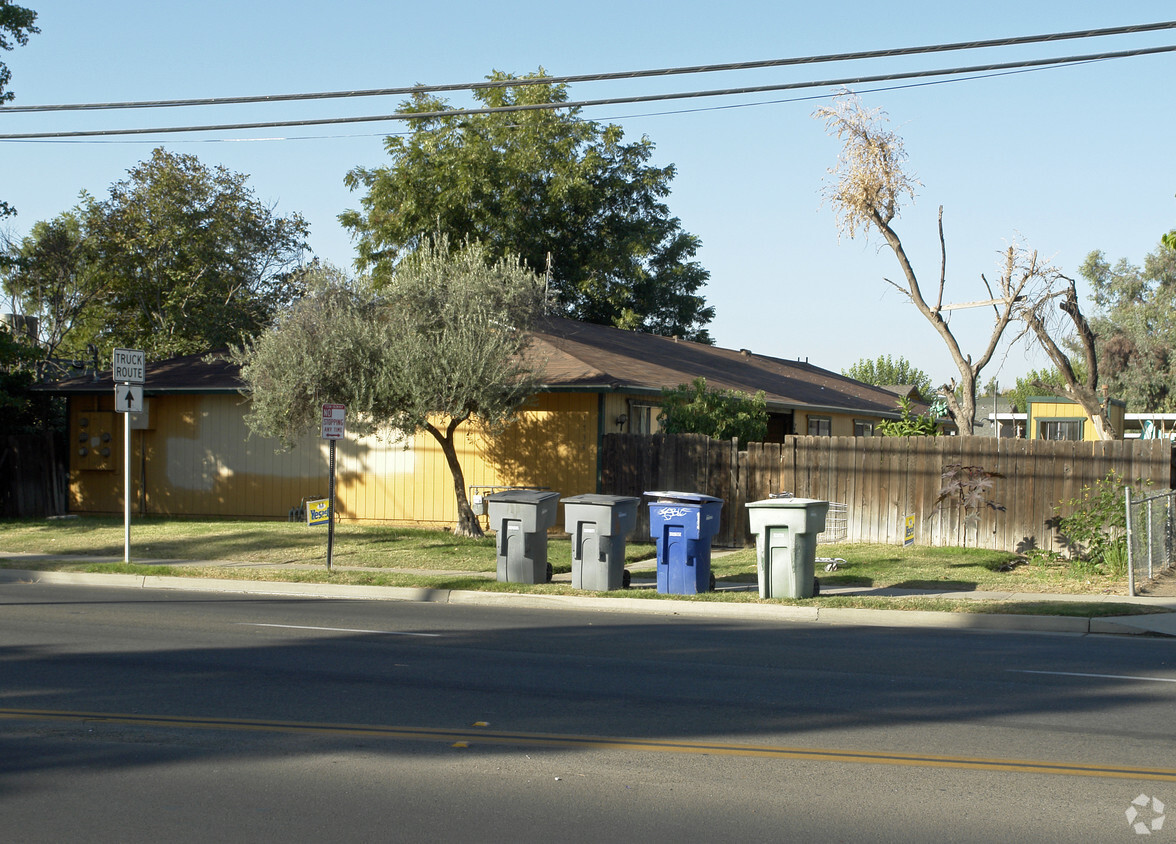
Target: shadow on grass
[(948, 585)]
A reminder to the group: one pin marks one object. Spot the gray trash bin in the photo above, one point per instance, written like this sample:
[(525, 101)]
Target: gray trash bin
[(786, 544), (598, 526), (521, 517)]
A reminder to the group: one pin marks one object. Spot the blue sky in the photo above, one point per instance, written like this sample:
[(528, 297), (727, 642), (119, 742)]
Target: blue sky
[(1069, 160)]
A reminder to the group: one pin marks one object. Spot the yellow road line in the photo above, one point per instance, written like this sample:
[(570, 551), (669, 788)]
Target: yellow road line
[(483, 736)]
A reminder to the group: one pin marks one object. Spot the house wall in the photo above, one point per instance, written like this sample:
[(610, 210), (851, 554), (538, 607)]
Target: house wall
[(1057, 409), (841, 424), (193, 455), (198, 458)]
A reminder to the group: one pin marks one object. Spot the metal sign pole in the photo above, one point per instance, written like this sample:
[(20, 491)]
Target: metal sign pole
[(126, 487), (334, 428), (331, 508)]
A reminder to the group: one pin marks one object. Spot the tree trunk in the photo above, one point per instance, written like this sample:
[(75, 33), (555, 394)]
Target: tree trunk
[(467, 520), (964, 414), (1086, 394)]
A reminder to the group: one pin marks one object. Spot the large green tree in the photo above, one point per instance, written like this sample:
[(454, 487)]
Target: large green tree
[(720, 414), (438, 344), (885, 371), (51, 276), (189, 258), (567, 195), (16, 25), (1135, 327)]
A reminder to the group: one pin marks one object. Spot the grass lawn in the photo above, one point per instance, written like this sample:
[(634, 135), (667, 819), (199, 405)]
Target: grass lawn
[(917, 567), (400, 556)]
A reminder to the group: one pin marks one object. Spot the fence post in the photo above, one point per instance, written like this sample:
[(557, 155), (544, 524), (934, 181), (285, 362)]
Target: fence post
[(1130, 556)]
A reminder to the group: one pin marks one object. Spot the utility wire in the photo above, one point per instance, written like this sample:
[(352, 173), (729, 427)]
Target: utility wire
[(462, 112), (601, 77), (701, 109)]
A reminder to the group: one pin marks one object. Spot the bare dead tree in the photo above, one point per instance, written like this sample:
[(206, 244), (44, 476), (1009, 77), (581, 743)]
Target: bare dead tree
[(1048, 324), (866, 189)]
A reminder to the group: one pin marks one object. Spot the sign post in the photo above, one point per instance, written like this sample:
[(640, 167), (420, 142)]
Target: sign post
[(128, 369), (334, 416)]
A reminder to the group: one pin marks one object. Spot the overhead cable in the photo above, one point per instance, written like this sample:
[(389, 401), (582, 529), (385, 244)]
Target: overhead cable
[(601, 77), (579, 104)]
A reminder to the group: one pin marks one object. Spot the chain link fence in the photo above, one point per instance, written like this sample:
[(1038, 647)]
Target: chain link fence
[(1151, 525)]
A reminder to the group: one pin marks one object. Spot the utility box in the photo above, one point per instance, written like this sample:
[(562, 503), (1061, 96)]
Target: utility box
[(683, 524), (598, 526), (786, 544), (521, 517)]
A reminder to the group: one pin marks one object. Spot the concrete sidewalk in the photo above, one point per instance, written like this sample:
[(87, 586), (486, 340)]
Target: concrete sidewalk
[(1162, 622)]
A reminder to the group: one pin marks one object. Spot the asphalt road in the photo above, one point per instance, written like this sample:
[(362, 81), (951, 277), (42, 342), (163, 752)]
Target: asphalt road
[(132, 716)]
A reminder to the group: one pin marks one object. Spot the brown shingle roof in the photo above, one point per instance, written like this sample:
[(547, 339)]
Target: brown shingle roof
[(203, 373), (586, 356), (583, 356)]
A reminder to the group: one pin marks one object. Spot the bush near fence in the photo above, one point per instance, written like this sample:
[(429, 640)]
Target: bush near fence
[(882, 480)]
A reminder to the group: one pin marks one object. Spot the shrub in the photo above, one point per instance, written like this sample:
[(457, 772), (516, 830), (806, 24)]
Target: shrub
[(1095, 531)]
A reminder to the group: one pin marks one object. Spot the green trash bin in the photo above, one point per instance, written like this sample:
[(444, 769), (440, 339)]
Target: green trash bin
[(786, 544)]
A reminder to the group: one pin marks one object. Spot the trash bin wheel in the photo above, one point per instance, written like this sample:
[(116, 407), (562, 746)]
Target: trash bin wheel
[(550, 572), (816, 586), (712, 582), (626, 579)]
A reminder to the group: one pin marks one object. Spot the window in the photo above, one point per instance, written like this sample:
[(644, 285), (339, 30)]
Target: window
[(1069, 429), (642, 418), (820, 426), (863, 429)]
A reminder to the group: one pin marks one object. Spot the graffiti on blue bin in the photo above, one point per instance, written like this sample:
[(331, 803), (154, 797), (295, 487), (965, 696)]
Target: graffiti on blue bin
[(674, 512)]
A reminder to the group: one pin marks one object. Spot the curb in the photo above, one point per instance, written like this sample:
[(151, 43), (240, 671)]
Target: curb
[(841, 616)]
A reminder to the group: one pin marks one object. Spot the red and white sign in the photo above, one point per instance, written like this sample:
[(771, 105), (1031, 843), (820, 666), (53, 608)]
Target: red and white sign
[(333, 415)]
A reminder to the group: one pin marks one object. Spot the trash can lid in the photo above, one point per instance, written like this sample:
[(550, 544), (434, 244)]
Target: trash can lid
[(595, 498), (786, 502), (522, 496), (687, 497)]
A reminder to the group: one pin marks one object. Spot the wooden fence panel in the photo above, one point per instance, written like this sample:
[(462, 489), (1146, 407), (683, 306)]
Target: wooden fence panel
[(882, 480)]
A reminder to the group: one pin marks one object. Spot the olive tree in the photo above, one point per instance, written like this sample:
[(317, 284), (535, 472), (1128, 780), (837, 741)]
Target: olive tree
[(440, 343)]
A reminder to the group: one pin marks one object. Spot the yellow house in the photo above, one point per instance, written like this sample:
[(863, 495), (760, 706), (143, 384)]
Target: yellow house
[(192, 453), (1055, 418)]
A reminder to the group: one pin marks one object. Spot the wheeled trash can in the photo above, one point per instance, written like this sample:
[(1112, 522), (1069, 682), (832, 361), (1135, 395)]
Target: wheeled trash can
[(786, 544), (521, 517), (683, 524), (598, 526)]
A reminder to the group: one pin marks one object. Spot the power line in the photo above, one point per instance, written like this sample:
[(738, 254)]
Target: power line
[(602, 77), (619, 117), (552, 106)]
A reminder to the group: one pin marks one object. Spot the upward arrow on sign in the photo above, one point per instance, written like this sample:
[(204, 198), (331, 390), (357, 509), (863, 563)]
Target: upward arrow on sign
[(128, 398)]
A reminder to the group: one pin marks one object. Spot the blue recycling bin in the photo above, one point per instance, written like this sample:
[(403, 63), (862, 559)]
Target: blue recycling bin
[(683, 524)]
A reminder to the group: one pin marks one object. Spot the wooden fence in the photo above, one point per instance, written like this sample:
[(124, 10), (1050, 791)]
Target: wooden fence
[(883, 480), (32, 477)]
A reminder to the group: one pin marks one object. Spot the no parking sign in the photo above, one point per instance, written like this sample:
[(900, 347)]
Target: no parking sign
[(333, 418)]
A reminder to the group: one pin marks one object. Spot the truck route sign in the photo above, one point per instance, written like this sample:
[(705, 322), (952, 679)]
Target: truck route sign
[(130, 366)]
